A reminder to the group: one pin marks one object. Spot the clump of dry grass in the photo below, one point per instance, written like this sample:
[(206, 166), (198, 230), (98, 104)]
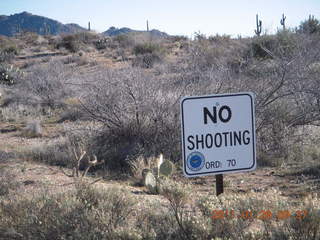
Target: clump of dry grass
[(8, 181), (53, 153), (32, 129)]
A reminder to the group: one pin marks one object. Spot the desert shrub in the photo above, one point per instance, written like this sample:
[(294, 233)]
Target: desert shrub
[(146, 60), (7, 181), (45, 84), (7, 53), (187, 217), (78, 60), (204, 56), (5, 156), (312, 171), (136, 120), (61, 152), (32, 129), (74, 42), (279, 69), (124, 40), (84, 214), (102, 43), (287, 44), (309, 26), (147, 54), (262, 46), (86, 37), (216, 54), (72, 111), (53, 153), (281, 45), (14, 109), (145, 48), (303, 223), (72, 114), (70, 42), (220, 38), (9, 74)]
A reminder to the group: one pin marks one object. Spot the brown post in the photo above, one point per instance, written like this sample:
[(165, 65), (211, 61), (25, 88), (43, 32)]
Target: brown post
[(219, 184)]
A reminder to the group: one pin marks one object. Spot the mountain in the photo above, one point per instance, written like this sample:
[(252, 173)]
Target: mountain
[(113, 31), (20, 22)]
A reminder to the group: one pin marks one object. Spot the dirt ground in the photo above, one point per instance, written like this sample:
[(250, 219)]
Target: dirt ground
[(34, 176)]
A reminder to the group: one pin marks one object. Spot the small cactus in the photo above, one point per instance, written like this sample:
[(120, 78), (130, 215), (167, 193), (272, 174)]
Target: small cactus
[(153, 178), (150, 182), (166, 168)]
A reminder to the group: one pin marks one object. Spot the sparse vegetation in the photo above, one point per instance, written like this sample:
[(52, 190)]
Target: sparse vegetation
[(109, 106)]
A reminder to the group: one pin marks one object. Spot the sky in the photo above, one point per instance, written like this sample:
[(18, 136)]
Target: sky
[(175, 17)]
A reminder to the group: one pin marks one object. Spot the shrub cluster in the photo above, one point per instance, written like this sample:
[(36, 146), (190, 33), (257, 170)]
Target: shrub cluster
[(112, 213), (9, 74), (147, 54), (136, 120), (84, 214), (45, 84), (74, 42)]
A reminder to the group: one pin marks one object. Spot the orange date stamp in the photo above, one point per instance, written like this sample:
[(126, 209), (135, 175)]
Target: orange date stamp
[(261, 215)]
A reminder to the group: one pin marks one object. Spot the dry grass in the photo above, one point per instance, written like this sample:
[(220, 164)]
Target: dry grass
[(113, 213)]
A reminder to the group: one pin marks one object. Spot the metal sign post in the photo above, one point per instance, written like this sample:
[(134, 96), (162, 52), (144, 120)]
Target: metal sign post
[(219, 184)]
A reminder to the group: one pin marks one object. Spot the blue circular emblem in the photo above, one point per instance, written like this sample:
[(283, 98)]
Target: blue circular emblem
[(195, 161)]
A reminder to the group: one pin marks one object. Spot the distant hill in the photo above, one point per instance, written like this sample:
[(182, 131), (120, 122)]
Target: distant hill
[(113, 31), (20, 22)]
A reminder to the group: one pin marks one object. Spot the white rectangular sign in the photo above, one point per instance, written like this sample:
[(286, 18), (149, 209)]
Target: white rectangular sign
[(218, 134)]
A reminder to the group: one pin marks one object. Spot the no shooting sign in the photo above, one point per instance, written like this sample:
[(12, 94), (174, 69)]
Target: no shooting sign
[(218, 134)]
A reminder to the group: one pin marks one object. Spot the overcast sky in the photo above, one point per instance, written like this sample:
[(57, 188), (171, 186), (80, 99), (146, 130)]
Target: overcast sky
[(176, 17)]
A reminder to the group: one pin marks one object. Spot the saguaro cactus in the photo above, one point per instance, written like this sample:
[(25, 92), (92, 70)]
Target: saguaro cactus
[(283, 22), (147, 26), (259, 26)]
